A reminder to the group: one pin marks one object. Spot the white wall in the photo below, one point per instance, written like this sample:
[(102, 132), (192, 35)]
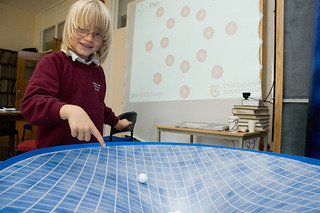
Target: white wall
[(114, 69), (18, 28)]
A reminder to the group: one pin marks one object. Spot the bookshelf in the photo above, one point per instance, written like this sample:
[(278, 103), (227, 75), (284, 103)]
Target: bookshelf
[(8, 75)]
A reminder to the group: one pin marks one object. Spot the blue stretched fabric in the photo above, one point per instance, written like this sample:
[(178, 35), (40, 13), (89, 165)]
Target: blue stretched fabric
[(313, 132)]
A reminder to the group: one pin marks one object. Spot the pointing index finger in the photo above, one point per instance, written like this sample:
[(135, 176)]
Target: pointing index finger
[(98, 136)]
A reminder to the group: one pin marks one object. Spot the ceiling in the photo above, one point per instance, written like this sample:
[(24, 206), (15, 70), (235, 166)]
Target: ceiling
[(32, 6)]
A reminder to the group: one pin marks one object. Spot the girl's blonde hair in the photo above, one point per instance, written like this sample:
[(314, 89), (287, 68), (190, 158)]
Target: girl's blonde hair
[(88, 14)]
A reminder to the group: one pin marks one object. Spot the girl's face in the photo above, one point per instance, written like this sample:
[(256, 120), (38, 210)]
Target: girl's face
[(85, 44)]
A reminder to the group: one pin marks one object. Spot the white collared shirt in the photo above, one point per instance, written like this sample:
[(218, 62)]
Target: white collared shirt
[(74, 57)]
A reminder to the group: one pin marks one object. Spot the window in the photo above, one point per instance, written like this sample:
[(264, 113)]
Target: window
[(52, 23), (48, 35), (122, 13), (60, 30), (119, 10)]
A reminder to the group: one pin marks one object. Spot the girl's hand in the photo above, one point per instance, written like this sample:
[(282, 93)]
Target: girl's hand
[(123, 124), (80, 123)]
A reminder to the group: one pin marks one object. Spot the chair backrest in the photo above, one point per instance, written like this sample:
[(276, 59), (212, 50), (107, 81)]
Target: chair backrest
[(130, 116)]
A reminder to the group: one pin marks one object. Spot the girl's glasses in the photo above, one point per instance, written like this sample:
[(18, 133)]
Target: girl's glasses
[(84, 33)]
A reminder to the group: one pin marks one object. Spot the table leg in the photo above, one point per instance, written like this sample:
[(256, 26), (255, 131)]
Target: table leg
[(191, 138), (264, 137), (159, 135), (241, 142), (12, 146)]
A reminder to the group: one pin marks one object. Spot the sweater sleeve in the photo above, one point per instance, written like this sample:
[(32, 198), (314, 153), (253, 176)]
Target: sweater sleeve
[(40, 104), (109, 117)]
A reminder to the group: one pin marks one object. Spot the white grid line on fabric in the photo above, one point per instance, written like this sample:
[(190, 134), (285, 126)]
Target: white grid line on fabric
[(236, 177), (202, 198), (278, 176), (165, 205), (304, 174), (16, 172), (218, 188), (127, 176), (173, 205), (145, 188), (80, 202), (136, 174), (104, 184), (273, 201), (125, 187), (71, 185), (193, 186), (72, 196), (155, 179), (26, 162), (252, 181), (28, 189), (58, 183), (147, 173), (207, 172), (183, 182), (116, 192)]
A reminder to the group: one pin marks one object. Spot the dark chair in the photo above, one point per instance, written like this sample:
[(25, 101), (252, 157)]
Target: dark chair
[(11, 133), (26, 127), (130, 116)]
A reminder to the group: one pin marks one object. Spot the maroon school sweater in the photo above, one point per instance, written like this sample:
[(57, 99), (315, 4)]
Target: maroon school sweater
[(57, 81)]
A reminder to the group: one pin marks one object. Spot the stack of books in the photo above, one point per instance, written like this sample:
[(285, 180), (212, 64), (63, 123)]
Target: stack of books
[(246, 113), (252, 102)]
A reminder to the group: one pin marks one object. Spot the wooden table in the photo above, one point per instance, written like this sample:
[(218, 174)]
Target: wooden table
[(238, 136), (11, 116)]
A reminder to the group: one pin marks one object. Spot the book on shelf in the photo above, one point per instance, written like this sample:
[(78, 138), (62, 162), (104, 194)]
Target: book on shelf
[(257, 124), (249, 107), (254, 117), (8, 57), (237, 111), (246, 120), (251, 102), (257, 128)]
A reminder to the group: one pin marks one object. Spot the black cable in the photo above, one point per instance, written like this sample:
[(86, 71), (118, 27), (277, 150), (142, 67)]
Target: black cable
[(265, 100), (274, 65)]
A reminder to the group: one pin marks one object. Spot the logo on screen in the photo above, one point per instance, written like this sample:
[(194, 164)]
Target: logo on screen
[(214, 90)]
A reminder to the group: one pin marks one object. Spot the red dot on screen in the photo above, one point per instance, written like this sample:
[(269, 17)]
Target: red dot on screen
[(157, 78), (184, 91), (164, 42), (149, 45), (170, 23), (160, 12), (185, 66), (170, 60), (217, 71), (185, 11), (208, 33), (202, 55), (231, 28), (201, 14)]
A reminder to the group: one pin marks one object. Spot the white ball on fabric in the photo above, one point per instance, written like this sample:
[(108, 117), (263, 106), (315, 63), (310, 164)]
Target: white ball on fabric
[(142, 178)]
